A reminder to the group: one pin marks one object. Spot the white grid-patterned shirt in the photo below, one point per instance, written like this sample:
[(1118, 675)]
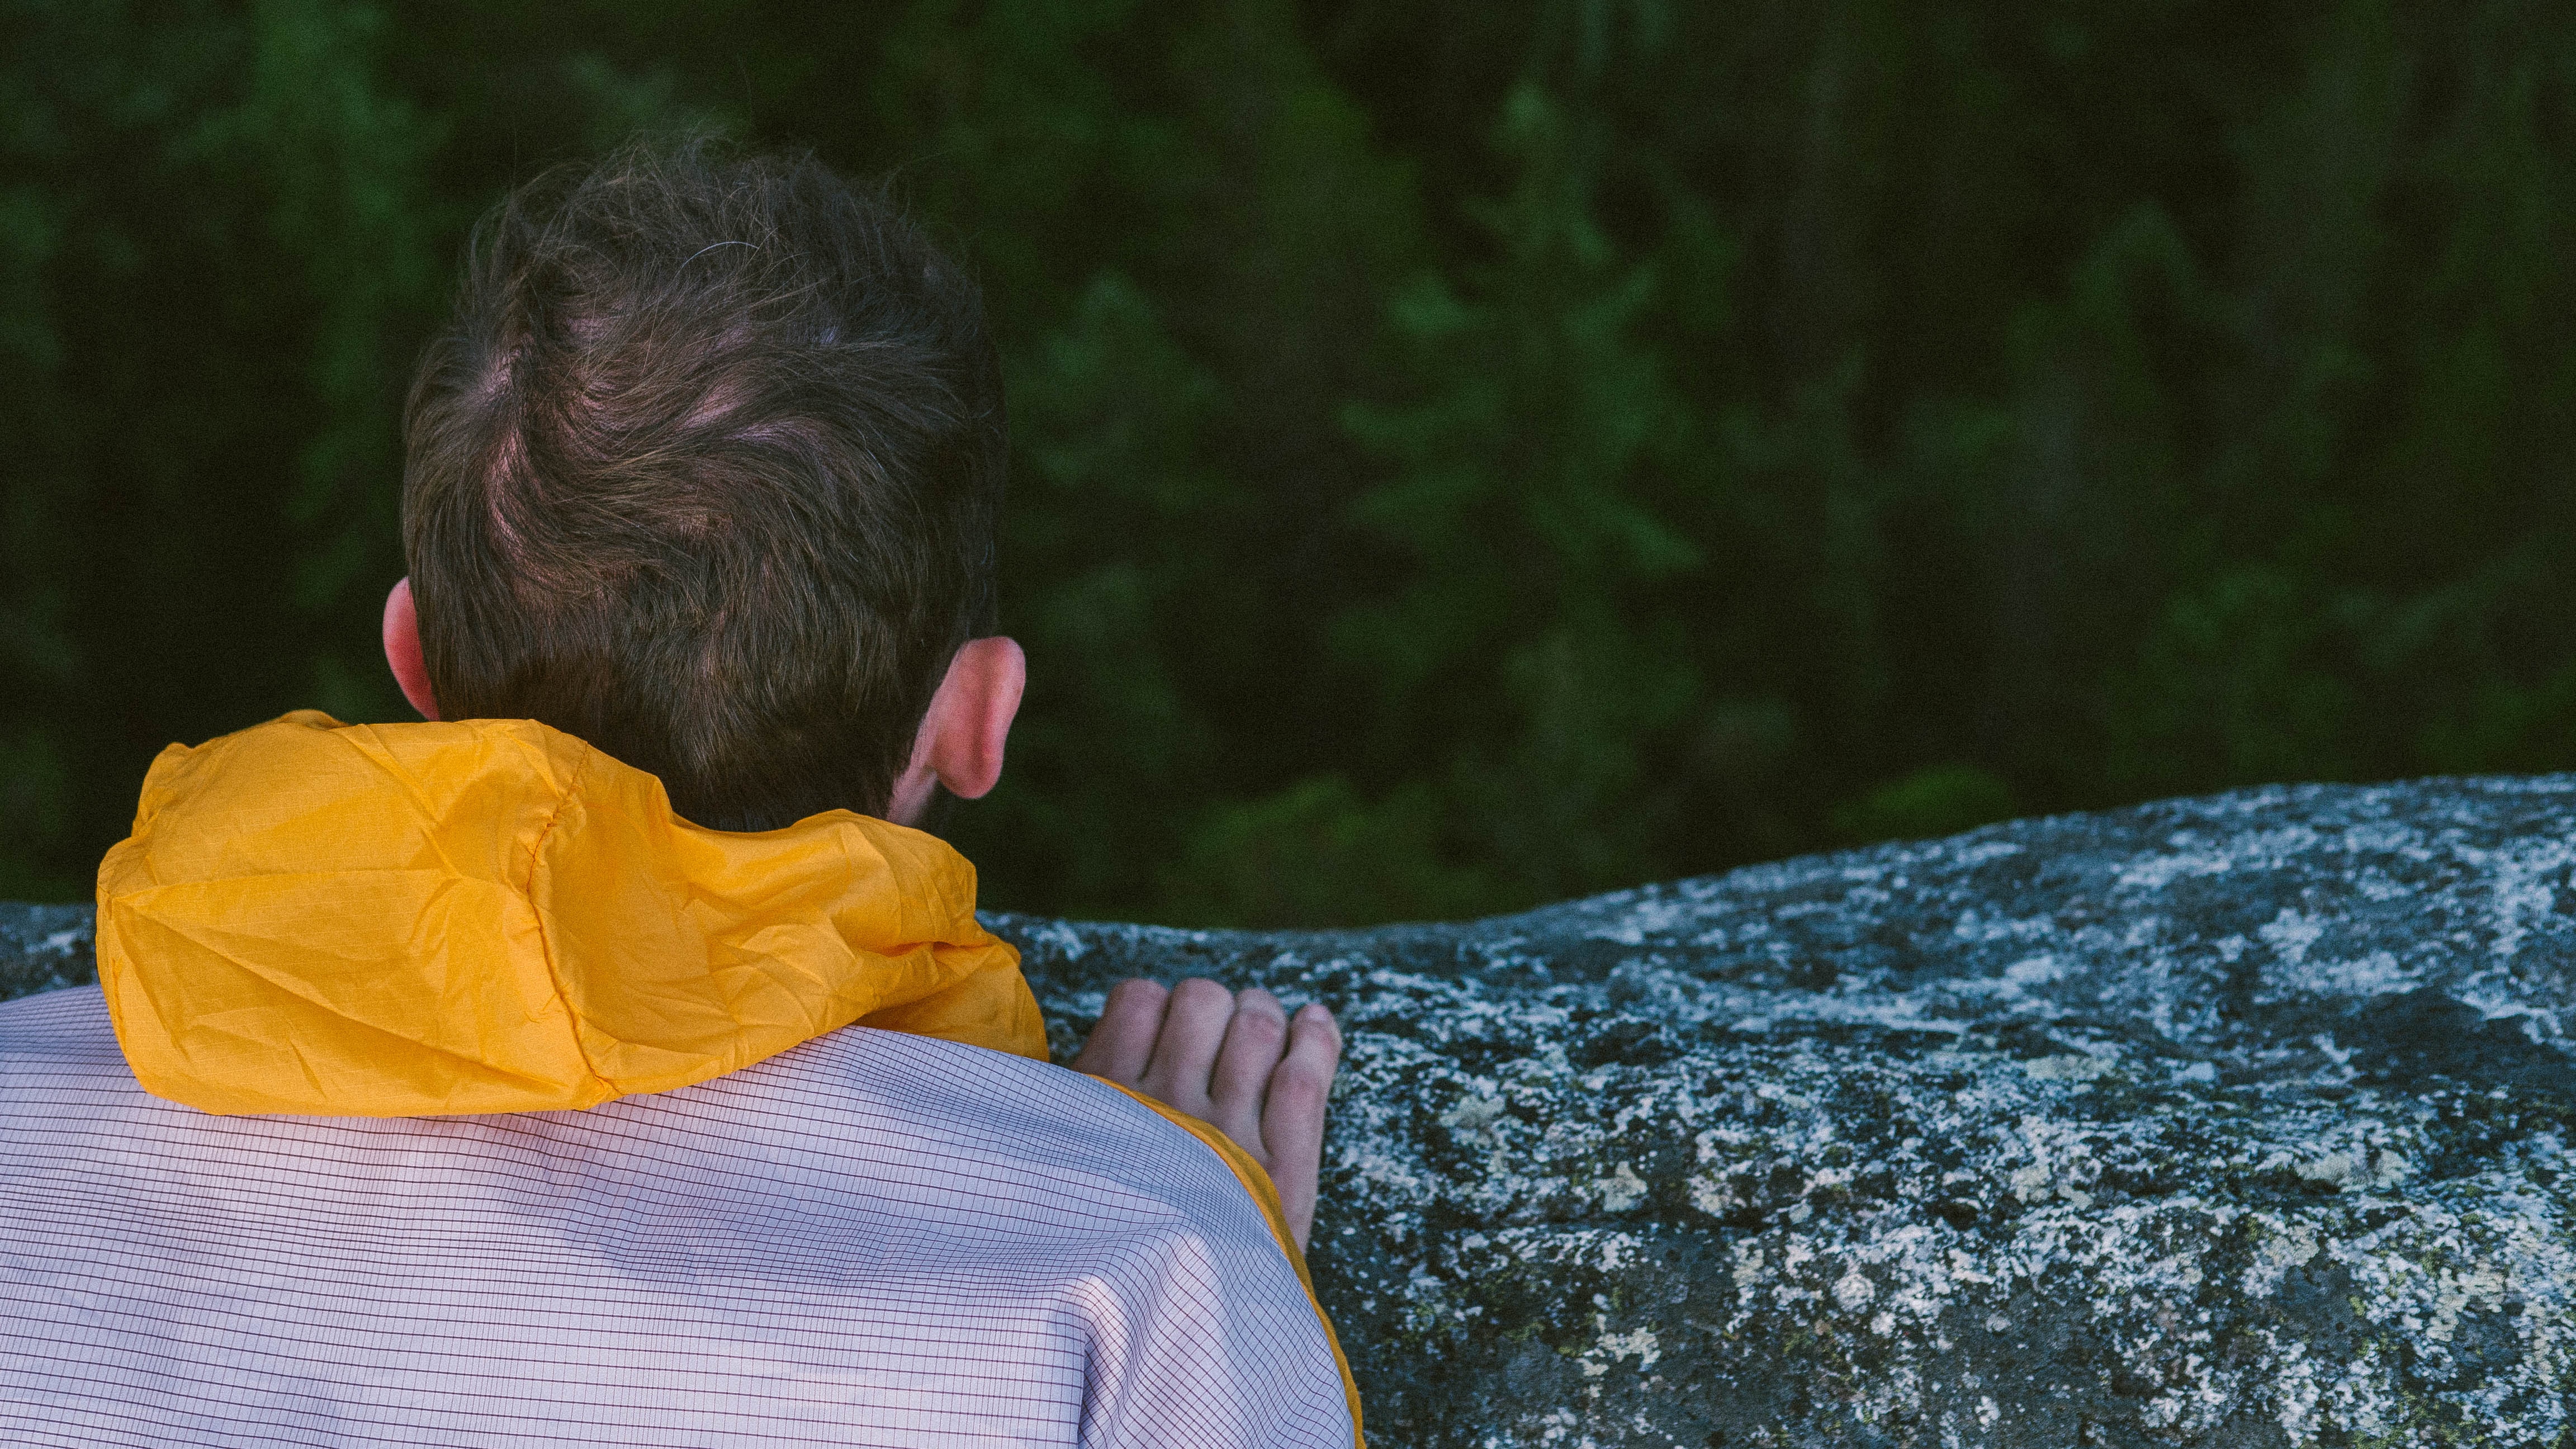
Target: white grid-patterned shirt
[(872, 1239)]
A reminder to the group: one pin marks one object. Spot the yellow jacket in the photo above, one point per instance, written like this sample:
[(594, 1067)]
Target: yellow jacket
[(492, 916)]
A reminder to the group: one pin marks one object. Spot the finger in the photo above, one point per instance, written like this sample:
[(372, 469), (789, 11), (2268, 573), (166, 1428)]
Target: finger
[(1254, 1041), (1193, 1029), (1122, 1041), (1292, 1119)]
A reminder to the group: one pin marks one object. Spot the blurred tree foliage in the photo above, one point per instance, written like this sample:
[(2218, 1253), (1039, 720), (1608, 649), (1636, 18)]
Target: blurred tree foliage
[(1467, 453)]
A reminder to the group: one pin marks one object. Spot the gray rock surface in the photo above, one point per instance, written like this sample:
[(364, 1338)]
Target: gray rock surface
[(2236, 1121), (44, 947)]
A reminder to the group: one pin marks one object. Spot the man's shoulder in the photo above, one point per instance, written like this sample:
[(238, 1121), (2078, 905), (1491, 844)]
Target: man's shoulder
[(873, 1102), (858, 1101), (67, 1028), (935, 1224), (917, 1134)]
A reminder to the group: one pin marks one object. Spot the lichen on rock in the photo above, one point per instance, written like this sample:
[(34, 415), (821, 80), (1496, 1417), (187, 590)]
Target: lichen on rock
[(45, 947), (2234, 1121)]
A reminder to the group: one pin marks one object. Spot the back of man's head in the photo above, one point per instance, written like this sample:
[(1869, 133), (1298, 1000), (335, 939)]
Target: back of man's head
[(706, 472)]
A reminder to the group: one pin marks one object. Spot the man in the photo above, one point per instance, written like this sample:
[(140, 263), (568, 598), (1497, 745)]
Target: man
[(613, 1063)]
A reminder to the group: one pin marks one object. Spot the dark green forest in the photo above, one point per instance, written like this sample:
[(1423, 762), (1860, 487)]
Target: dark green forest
[(1465, 454)]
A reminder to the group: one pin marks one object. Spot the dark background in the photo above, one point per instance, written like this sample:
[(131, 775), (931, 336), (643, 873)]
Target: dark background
[(1468, 452)]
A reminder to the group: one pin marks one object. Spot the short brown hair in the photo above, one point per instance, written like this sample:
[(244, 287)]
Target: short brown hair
[(706, 471)]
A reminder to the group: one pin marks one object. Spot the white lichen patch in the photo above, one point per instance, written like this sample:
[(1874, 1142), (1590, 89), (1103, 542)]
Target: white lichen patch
[(2358, 1168), (2280, 1245), (1714, 1194), (1622, 1189), (2291, 934), (2355, 1156), (1474, 1118), (2375, 974), (1853, 1291), (2156, 872), (2071, 1067), (1639, 1344)]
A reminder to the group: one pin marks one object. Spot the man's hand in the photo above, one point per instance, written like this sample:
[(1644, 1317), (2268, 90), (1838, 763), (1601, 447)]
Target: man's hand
[(1235, 1062)]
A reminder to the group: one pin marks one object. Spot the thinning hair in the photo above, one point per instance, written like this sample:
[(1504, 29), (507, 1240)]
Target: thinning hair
[(706, 471)]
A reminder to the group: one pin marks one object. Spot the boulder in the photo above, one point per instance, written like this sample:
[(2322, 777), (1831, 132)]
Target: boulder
[(2231, 1121)]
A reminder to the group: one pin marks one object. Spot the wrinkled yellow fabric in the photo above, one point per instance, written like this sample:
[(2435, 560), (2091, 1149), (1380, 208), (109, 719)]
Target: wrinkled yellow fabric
[(492, 916)]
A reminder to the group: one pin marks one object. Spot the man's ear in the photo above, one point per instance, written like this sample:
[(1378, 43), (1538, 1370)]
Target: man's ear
[(960, 743), (402, 650)]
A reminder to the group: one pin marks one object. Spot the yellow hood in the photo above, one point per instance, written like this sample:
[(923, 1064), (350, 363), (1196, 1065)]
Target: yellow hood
[(492, 916)]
